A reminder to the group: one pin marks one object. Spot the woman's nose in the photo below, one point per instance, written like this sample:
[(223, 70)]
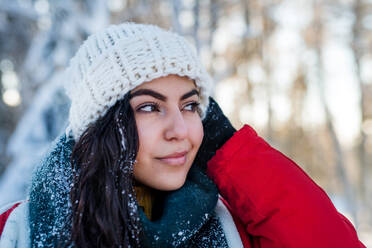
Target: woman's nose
[(177, 127)]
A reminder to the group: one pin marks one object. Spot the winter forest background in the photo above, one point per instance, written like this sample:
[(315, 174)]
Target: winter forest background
[(298, 71)]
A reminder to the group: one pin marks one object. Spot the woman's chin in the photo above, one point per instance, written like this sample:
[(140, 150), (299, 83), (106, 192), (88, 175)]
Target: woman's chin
[(169, 185)]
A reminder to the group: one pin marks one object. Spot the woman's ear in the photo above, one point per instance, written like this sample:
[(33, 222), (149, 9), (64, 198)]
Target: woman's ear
[(217, 130)]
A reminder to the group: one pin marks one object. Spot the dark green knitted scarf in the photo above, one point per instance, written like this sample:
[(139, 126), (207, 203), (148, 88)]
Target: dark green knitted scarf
[(187, 220)]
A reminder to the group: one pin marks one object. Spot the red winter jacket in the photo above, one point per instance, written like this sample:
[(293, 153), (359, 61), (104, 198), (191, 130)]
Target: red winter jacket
[(275, 201)]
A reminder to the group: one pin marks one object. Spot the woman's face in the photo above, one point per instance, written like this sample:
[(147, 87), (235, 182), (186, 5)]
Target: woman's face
[(169, 128)]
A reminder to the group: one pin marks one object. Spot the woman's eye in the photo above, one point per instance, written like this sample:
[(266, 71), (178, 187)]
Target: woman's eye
[(149, 107), (193, 106)]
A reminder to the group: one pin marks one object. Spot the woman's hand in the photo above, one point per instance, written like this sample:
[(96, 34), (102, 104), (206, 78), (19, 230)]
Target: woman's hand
[(217, 130)]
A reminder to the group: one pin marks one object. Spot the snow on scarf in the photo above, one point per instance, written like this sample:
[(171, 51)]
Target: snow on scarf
[(188, 218)]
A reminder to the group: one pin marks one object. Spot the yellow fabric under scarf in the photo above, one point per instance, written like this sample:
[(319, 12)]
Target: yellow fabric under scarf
[(145, 198)]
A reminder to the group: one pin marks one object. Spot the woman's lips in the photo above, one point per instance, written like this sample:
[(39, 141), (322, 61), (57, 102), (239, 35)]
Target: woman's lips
[(178, 158)]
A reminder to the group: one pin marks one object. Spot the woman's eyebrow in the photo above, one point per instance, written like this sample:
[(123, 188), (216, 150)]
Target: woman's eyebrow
[(159, 96), (190, 93), (148, 92)]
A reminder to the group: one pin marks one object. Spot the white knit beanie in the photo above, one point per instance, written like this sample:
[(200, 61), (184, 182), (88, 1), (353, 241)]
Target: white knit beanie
[(112, 62)]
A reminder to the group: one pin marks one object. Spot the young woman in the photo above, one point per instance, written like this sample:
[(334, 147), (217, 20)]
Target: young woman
[(131, 170)]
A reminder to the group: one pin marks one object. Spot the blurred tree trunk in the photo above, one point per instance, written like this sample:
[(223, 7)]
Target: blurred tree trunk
[(268, 28), (196, 25), (246, 12), (213, 13), (176, 4), (297, 143), (358, 51), (340, 166)]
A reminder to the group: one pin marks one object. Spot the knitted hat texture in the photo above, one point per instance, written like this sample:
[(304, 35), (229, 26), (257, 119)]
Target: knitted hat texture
[(112, 62)]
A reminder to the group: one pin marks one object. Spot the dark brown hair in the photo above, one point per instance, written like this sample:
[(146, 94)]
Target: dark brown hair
[(104, 210)]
